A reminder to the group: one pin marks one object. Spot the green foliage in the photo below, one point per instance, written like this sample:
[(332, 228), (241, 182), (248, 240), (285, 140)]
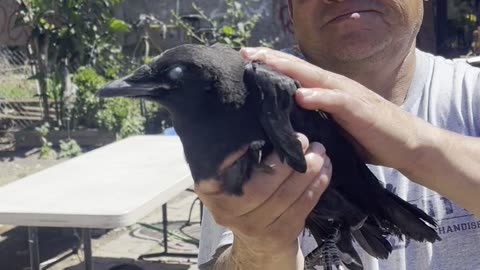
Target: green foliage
[(66, 34), (78, 30), (69, 149), (233, 29), (43, 129), (132, 125), (46, 149), (87, 103), (121, 115), (118, 26)]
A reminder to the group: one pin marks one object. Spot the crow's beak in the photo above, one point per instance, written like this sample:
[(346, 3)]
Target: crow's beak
[(139, 84)]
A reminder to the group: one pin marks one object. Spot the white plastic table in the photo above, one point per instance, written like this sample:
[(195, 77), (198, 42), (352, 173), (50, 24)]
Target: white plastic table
[(110, 187)]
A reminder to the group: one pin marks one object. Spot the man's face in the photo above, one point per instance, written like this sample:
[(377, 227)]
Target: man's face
[(354, 30)]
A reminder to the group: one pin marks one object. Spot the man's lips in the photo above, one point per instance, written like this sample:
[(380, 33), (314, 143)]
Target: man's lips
[(349, 14)]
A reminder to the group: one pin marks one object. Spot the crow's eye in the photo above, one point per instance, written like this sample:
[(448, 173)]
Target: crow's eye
[(176, 73)]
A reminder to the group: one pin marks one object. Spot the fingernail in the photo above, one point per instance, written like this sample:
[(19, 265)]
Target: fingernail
[(317, 148), (306, 92)]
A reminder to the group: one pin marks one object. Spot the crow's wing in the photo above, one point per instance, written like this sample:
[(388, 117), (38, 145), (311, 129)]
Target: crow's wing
[(276, 91)]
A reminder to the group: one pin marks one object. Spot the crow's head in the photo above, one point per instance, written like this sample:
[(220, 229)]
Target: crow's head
[(186, 76), (203, 88)]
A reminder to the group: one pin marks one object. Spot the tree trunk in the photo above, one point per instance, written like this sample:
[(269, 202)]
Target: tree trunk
[(42, 45), (64, 73)]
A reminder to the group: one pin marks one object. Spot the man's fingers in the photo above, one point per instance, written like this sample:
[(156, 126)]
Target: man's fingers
[(263, 183), (328, 100), (307, 74), (291, 189), (256, 191), (262, 53), (304, 204)]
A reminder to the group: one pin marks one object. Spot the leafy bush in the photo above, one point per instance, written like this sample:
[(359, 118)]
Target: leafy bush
[(69, 149), (121, 115), (65, 34), (46, 149), (87, 104), (233, 29)]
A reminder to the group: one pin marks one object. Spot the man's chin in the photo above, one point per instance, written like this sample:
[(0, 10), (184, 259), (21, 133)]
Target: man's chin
[(358, 52)]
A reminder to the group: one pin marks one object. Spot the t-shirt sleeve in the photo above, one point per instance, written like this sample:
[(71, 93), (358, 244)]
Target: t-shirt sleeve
[(212, 237)]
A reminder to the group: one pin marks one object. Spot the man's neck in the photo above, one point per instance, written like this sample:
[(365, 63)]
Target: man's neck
[(389, 77)]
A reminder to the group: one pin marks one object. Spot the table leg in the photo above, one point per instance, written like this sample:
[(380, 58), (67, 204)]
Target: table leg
[(33, 247), (165, 229), (87, 248), (165, 242)]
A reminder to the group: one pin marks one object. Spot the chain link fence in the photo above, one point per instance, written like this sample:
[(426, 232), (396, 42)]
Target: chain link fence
[(15, 71), (19, 103)]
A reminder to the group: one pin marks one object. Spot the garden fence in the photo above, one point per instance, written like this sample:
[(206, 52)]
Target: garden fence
[(20, 106)]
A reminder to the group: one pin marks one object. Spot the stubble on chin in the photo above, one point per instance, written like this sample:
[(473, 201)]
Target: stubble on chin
[(363, 50), (344, 57)]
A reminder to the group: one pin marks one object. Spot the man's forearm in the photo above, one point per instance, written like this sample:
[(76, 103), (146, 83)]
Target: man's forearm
[(240, 257), (448, 163)]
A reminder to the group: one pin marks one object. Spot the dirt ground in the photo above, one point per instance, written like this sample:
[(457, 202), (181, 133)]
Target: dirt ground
[(18, 164)]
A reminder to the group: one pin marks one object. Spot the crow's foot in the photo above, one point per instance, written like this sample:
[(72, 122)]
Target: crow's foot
[(326, 256)]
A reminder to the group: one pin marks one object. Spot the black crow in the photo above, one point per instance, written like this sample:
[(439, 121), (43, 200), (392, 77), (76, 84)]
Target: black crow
[(219, 103)]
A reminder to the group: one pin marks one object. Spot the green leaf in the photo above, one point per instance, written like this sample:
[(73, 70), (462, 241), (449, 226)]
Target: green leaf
[(117, 25), (228, 30), (238, 5), (227, 40), (241, 27)]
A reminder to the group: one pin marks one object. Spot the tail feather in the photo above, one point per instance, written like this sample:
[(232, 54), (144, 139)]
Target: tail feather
[(348, 254), (410, 220), (372, 240), (396, 216)]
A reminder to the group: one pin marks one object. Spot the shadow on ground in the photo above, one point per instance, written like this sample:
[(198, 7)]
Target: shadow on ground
[(10, 156), (129, 264), (14, 252)]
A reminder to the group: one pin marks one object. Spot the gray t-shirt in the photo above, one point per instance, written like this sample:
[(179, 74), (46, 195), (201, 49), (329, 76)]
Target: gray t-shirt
[(446, 94)]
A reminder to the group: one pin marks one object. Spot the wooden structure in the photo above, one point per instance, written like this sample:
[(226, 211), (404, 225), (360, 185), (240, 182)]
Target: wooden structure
[(21, 114)]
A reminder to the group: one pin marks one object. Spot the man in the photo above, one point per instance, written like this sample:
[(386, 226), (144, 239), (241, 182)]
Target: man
[(399, 104)]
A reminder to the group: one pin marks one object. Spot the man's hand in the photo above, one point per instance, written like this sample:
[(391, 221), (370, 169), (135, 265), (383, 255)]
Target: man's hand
[(379, 126), (438, 159), (267, 219)]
